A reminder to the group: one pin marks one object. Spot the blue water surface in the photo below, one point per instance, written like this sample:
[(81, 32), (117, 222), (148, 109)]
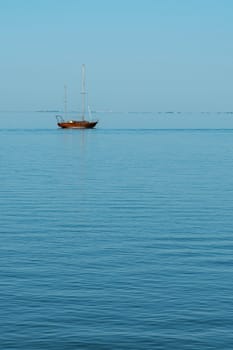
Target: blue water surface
[(115, 238)]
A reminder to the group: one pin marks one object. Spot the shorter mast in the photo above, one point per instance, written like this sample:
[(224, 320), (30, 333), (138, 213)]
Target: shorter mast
[(83, 91)]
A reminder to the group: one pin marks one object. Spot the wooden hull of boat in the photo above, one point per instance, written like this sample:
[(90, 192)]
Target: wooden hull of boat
[(76, 124)]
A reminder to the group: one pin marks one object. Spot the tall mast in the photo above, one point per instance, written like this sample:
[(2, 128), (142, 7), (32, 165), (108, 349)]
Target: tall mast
[(83, 91), (65, 100)]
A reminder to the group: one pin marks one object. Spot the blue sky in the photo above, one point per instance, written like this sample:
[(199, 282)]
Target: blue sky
[(140, 55)]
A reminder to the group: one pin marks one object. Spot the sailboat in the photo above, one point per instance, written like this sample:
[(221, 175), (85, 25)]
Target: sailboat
[(82, 123)]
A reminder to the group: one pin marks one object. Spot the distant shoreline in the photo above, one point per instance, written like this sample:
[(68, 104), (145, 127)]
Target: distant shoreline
[(116, 112)]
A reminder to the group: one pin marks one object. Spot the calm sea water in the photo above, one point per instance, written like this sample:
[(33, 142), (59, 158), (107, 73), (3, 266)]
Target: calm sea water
[(116, 238)]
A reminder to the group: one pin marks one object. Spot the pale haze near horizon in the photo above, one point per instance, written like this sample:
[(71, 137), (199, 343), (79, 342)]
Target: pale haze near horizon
[(151, 55)]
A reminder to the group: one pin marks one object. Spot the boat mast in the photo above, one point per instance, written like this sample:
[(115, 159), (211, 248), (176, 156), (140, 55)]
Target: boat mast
[(65, 100), (83, 91)]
